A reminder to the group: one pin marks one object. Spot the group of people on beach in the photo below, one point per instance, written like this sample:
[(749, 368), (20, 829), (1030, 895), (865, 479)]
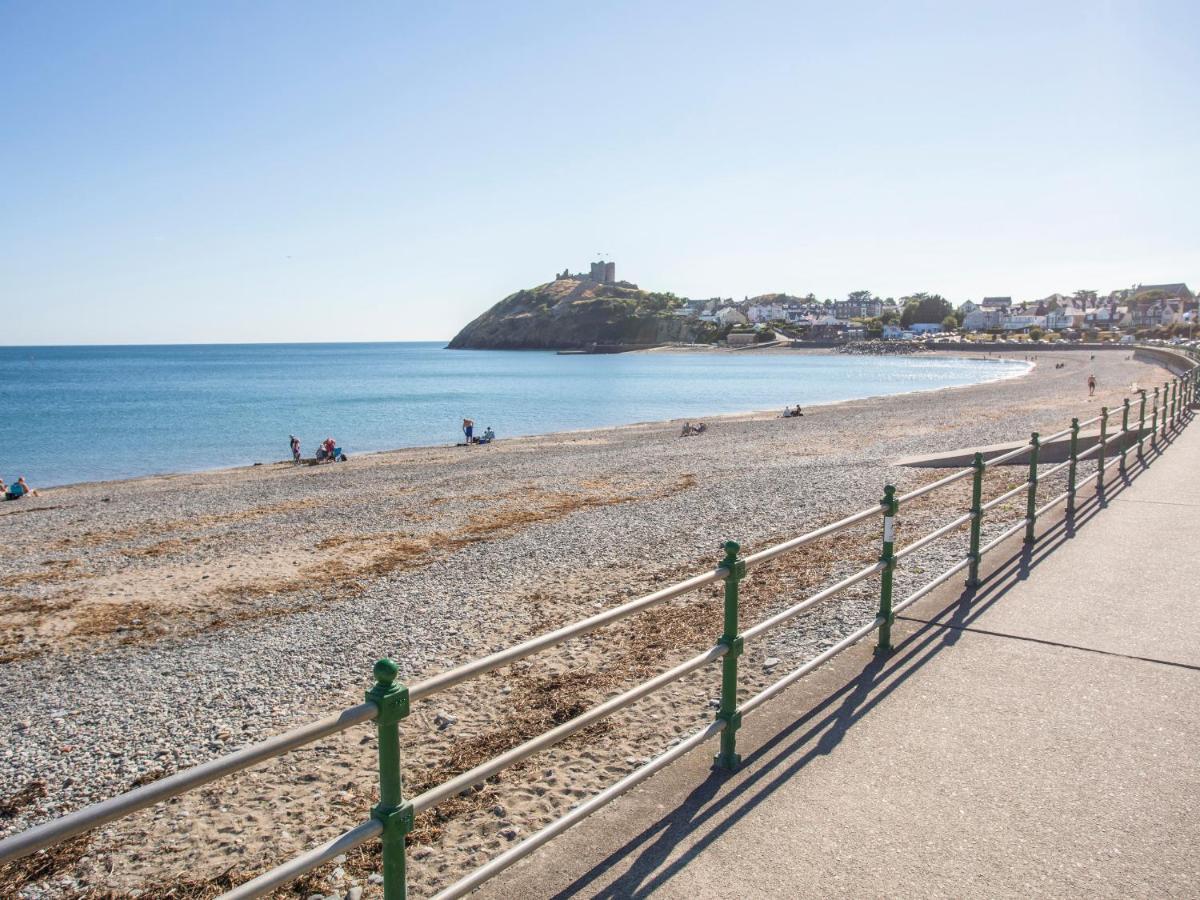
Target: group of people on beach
[(468, 427), (18, 489), (327, 451), (789, 413), (690, 429)]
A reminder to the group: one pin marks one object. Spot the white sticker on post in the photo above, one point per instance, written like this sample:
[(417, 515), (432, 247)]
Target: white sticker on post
[(889, 533)]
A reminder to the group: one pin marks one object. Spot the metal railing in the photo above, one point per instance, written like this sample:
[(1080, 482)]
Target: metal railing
[(388, 702)]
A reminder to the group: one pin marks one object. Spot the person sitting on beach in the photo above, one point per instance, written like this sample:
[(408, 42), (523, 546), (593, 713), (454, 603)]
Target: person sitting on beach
[(19, 490), (488, 436), (787, 412), (687, 429), (699, 428), (798, 411)]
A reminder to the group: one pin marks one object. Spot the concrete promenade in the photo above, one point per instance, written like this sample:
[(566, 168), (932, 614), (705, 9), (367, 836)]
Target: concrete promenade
[(1040, 738)]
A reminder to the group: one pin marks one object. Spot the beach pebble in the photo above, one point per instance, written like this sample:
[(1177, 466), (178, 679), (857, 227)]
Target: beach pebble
[(770, 662), (444, 720)]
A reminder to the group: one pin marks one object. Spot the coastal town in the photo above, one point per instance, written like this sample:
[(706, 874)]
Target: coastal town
[(1143, 310)]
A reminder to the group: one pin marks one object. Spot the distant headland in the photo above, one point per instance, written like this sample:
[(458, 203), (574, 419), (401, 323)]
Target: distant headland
[(582, 311)]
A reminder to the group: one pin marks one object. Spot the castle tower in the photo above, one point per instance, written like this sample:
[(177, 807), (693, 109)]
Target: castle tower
[(610, 272)]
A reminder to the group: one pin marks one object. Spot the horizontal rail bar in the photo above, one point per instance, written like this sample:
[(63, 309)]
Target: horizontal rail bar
[(1050, 504), (489, 870), (1002, 537), (780, 617), (795, 675), (1082, 481), (934, 535), (934, 485), (1092, 421), (484, 664), (1054, 437), (89, 817), (1089, 451), (483, 771), (306, 862), (833, 528), (1005, 457), (1007, 495), (929, 586), (1054, 470)]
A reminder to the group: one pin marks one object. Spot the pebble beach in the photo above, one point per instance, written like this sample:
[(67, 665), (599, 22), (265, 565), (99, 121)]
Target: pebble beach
[(152, 624)]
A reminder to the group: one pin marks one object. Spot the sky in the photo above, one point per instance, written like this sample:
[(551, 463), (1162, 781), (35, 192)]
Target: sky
[(179, 172)]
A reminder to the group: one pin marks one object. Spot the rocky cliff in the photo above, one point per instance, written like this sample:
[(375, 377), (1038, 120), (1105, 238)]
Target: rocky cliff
[(574, 313)]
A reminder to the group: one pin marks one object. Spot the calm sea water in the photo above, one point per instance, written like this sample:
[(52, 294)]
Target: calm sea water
[(88, 413)]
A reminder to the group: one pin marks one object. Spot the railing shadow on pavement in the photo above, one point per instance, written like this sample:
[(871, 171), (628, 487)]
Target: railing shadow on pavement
[(822, 728)]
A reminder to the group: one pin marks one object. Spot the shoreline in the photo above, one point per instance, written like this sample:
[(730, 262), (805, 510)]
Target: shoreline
[(740, 414)]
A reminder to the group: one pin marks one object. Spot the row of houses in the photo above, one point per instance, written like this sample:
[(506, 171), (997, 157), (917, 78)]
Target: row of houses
[(794, 311), (1142, 306)]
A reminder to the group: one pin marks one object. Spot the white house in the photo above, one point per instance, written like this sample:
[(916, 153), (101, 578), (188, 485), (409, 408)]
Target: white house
[(1065, 317), (769, 312), (1021, 323), (731, 316), (981, 319)]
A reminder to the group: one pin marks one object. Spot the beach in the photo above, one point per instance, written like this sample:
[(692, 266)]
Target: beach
[(155, 623)]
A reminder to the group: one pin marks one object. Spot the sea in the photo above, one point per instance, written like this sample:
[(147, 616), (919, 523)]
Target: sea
[(90, 413)]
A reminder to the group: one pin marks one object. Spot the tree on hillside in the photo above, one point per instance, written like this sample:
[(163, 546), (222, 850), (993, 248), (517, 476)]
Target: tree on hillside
[(889, 317), (1084, 298), (924, 307), (950, 323), (858, 296)]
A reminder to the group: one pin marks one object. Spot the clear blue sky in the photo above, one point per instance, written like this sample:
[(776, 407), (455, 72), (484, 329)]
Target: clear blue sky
[(268, 171)]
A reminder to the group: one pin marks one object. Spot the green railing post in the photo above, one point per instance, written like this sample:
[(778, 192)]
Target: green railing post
[(1103, 448), (1073, 467), (976, 519), (888, 558), (395, 815), (1124, 435), (1141, 426), (1175, 404), (1154, 422), (1031, 501), (727, 712), (1165, 406)]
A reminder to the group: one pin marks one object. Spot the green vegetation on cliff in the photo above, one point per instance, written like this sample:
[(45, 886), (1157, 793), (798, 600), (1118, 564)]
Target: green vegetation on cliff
[(574, 313)]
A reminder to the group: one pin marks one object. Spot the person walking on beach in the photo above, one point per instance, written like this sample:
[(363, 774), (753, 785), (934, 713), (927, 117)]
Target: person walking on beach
[(295, 441), (1091, 385), (468, 429)]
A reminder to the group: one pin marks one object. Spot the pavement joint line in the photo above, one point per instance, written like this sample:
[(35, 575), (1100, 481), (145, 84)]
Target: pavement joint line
[(1155, 502), (1033, 640)]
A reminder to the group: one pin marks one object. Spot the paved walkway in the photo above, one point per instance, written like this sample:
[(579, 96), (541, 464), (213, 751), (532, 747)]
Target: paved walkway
[(1040, 739)]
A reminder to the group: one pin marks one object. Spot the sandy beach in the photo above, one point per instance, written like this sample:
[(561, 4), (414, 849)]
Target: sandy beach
[(152, 624)]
